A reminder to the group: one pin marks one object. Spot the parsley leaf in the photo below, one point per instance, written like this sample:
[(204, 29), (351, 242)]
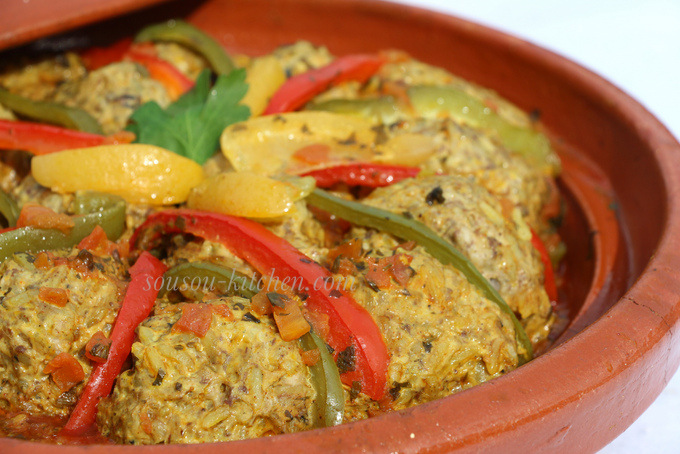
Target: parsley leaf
[(191, 126)]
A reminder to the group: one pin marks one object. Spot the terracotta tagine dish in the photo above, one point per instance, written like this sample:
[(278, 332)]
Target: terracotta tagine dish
[(620, 181)]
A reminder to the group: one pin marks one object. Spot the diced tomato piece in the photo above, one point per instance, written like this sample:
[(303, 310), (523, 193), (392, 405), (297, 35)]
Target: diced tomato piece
[(43, 261), (381, 270), (400, 269), (65, 370), (316, 153), (40, 217), (408, 246), (120, 137), (97, 243), (196, 319), (97, 348), (351, 249), (56, 296), (507, 208), (310, 357), (222, 310), (343, 266), (320, 323), (260, 303), (334, 227), (145, 421), (398, 90), (289, 319), (377, 275)]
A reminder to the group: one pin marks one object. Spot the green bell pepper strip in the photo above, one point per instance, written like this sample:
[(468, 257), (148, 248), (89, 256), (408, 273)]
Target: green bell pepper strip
[(89, 202), (92, 209), (50, 112), (431, 101), (384, 108), (8, 209), (439, 248), (209, 273), (330, 397), (186, 34)]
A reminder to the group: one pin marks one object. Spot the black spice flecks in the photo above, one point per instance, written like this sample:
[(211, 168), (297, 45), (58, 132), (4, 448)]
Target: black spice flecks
[(248, 317), (346, 360), (159, 378), (435, 196)]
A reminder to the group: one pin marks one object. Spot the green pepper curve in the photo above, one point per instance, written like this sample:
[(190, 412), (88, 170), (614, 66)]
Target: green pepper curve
[(431, 101), (330, 402), (384, 108), (181, 32), (94, 209), (8, 209), (233, 282), (50, 112), (410, 229)]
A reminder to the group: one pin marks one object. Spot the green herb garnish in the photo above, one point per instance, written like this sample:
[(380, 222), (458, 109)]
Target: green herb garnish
[(191, 126)]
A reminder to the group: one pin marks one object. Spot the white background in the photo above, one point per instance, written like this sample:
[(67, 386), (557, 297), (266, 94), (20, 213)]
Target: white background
[(636, 45)]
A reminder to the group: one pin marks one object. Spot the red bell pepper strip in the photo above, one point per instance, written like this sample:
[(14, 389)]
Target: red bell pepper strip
[(300, 89), (137, 304), (145, 54), (38, 138), (163, 71), (353, 328), (96, 57), (548, 273), (363, 174)]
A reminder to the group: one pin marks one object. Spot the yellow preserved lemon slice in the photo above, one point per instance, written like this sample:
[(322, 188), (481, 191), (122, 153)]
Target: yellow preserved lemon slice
[(264, 76), (138, 173), (247, 194), (301, 141)]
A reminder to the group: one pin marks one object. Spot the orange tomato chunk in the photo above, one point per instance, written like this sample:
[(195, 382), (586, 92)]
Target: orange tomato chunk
[(65, 370), (97, 348), (56, 296), (40, 217), (222, 310), (310, 357), (289, 319), (97, 243), (196, 319)]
